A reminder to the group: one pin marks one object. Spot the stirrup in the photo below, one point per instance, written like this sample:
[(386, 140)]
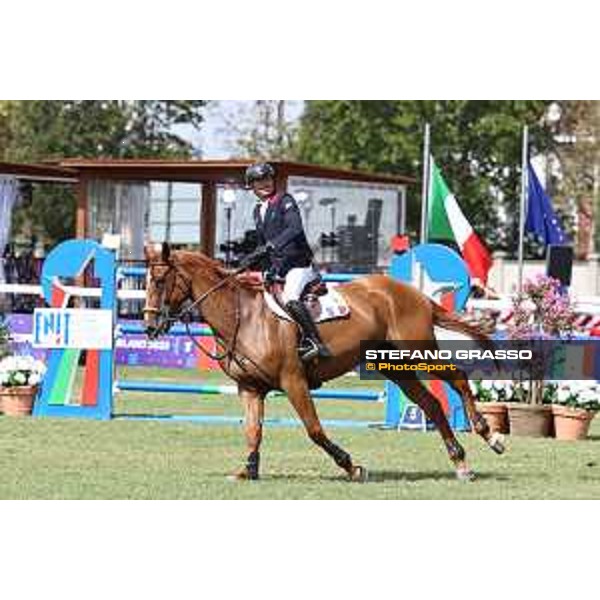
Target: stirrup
[(311, 349), (308, 350)]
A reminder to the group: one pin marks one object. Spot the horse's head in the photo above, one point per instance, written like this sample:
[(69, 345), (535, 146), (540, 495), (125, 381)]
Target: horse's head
[(166, 289)]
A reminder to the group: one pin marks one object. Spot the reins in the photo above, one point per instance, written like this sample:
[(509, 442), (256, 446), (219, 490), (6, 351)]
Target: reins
[(229, 349)]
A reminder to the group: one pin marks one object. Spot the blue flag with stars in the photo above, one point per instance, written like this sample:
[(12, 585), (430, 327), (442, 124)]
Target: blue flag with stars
[(541, 218)]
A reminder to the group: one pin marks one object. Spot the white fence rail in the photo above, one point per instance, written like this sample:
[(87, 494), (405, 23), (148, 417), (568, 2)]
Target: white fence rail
[(589, 305)]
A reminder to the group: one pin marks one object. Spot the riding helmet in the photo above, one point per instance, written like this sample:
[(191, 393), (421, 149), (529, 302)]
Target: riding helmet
[(258, 172)]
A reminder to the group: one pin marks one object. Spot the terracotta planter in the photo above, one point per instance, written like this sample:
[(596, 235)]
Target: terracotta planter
[(496, 414), (532, 420), (17, 401), (571, 423)]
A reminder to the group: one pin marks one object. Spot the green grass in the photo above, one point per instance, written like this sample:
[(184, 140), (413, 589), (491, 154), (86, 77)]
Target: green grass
[(52, 458)]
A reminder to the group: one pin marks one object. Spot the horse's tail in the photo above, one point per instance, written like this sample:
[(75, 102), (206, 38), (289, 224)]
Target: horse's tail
[(451, 321)]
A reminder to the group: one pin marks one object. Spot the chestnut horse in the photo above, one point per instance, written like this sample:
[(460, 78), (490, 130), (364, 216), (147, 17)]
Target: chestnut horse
[(260, 348)]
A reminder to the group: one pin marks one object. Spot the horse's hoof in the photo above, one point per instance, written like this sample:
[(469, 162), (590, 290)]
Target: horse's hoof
[(465, 474), (242, 475), (359, 474), (496, 443)]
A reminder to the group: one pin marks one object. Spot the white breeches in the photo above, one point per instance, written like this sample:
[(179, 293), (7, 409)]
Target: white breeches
[(295, 282)]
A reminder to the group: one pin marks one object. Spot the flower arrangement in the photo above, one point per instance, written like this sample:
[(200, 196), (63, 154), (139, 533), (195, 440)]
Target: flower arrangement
[(542, 311), (578, 394), (508, 391), (573, 394), (21, 371)]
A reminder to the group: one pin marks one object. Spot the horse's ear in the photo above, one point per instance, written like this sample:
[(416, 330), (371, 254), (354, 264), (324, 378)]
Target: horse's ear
[(166, 252)]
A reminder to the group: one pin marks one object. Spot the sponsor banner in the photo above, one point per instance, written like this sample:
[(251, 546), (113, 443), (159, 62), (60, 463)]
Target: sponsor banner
[(133, 350), (82, 328), (166, 351), (20, 332)]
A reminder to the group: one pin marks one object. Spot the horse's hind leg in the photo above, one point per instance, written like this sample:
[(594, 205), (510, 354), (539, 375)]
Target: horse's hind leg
[(303, 404), (421, 396), (458, 380)]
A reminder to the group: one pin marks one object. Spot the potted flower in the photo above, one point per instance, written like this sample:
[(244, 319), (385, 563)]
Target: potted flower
[(540, 312), (491, 402), (574, 406), (19, 380), (527, 418)]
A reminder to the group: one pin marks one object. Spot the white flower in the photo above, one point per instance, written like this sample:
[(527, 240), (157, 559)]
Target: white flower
[(3, 378), (22, 363), (39, 367), (8, 364), (503, 386), (34, 379), (20, 378), (586, 396)]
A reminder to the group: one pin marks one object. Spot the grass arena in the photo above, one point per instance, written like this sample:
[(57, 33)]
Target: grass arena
[(136, 459)]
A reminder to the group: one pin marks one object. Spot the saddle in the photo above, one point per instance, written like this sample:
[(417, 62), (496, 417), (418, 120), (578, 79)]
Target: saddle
[(324, 302), (317, 287)]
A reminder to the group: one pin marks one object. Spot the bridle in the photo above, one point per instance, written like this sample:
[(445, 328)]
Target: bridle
[(166, 319), (163, 310)]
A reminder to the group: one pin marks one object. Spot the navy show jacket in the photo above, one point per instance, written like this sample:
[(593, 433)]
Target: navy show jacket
[(282, 227)]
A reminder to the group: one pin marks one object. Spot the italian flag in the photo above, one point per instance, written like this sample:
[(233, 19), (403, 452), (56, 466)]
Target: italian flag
[(446, 222)]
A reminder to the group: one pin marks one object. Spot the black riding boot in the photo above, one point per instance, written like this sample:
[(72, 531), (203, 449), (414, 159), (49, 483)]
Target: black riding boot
[(311, 344)]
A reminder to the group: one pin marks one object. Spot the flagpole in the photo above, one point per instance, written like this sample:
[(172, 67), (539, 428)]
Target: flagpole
[(425, 194), (425, 185), (524, 158)]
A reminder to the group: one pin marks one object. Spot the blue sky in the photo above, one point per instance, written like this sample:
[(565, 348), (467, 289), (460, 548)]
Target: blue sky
[(216, 139)]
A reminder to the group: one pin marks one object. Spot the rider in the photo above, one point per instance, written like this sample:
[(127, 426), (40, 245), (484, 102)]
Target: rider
[(284, 245)]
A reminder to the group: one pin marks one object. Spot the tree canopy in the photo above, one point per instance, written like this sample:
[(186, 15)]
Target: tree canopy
[(38, 130), (477, 145)]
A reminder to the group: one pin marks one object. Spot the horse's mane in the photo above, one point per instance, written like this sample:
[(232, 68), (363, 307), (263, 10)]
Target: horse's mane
[(203, 263)]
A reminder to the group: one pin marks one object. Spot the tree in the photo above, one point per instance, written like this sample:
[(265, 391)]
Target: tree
[(263, 130), (576, 128), (45, 130), (4, 128), (42, 130), (477, 145)]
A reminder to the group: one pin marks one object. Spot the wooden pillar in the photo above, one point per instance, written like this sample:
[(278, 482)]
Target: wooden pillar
[(208, 218), (281, 181), (81, 217), (81, 232)]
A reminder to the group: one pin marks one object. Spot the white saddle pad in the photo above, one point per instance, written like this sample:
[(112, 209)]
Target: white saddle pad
[(333, 306)]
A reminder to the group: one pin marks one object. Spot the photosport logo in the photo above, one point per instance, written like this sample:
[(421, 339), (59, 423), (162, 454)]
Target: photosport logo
[(574, 359)]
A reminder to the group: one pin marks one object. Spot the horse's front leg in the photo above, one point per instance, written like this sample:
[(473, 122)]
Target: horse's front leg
[(254, 412)]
